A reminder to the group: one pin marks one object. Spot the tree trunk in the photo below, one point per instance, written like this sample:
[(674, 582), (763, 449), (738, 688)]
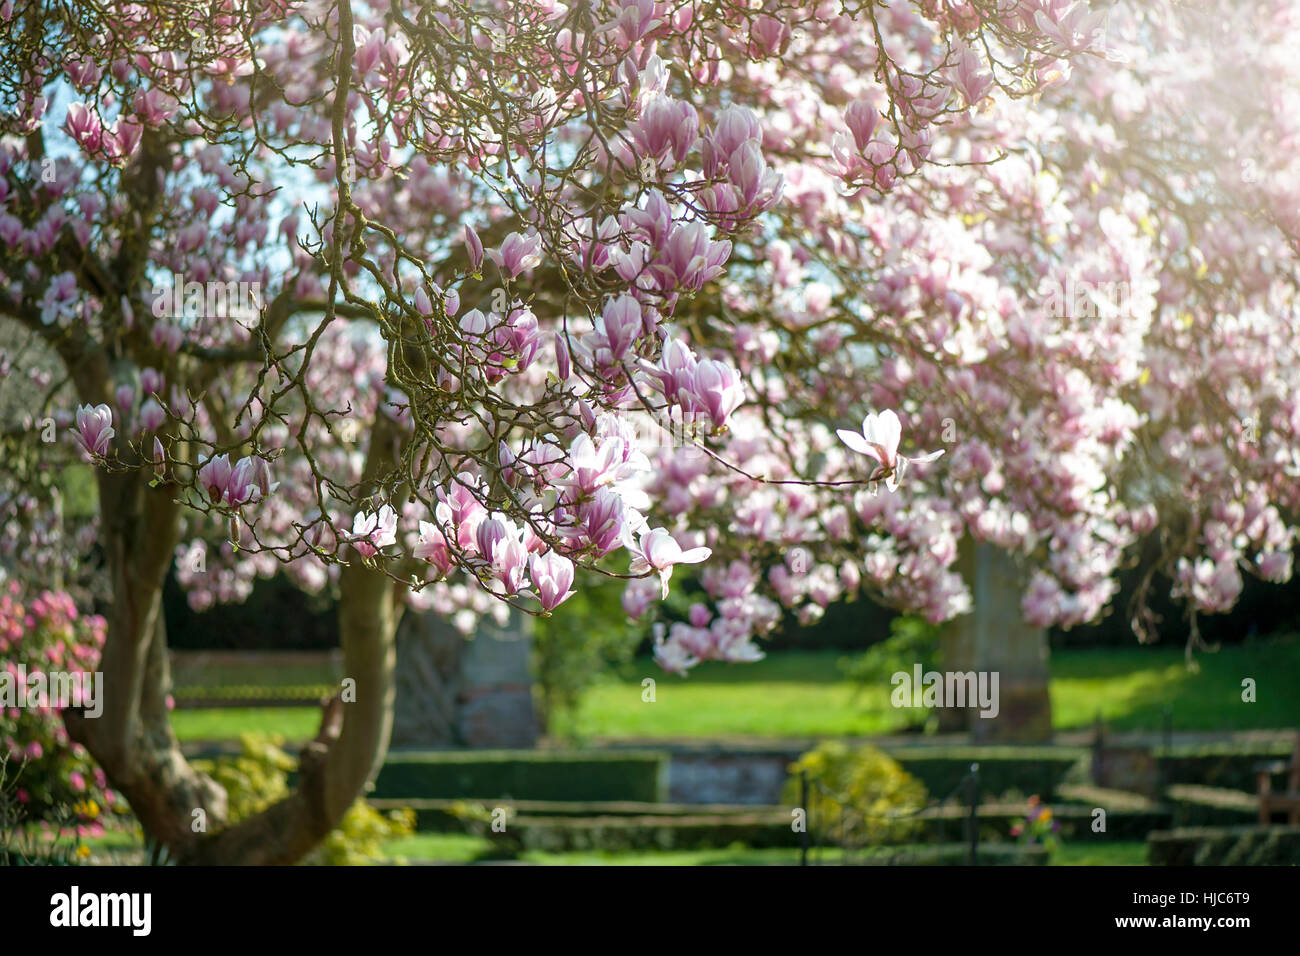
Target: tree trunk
[(132, 739), (995, 639), (337, 767)]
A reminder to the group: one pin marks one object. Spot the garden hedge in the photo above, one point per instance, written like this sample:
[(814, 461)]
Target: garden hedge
[(1228, 765), (1196, 806), (1225, 846), (1002, 769), (525, 775)]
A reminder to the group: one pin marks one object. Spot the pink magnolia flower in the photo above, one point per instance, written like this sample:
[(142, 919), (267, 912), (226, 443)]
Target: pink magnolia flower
[(214, 477), (552, 576), (499, 543), (122, 140), (750, 175), (673, 657), (95, 428), (369, 47), (371, 532), (653, 223), (474, 246), (675, 372), (563, 364), (256, 472), (768, 36), (611, 461), (735, 126), (879, 439), (861, 117), (517, 254), (488, 536), (154, 107), (970, 77), (618, 326), (1275, 566), (84, 73), (432, 547), (638, 596), (152, 415), (665, 131), (657, 550), (85, 127), (460, 509), (422, 303), (247, 481), (690, 259), (717, 387), (519, 339), (598, 522), (151, 381)]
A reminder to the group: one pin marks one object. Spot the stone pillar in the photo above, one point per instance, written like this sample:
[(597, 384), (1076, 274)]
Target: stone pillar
[(454, 692), (427, 676), (496, 698), (994, 638)]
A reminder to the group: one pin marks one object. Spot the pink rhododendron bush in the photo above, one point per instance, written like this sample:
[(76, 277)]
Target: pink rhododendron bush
[(463, 305), (47, 776)]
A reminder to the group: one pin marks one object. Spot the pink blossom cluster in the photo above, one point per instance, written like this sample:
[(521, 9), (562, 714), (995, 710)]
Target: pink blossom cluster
[(44, 632)]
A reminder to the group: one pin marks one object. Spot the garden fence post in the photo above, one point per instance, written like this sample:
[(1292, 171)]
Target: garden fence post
[(1167, 738), (974, 811), (807, 818)]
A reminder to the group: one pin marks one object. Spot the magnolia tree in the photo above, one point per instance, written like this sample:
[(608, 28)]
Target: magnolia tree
[(459, 305)]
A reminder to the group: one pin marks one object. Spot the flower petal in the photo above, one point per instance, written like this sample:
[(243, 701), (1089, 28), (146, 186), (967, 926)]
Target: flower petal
[(854, 441), (694, 556)]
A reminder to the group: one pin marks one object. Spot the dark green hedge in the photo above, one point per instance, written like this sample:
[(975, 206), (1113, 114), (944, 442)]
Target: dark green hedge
[(1228, 765), (525, 775), (1196, 806), (1028, 770), (1225, 846), (438, 814), (996, 821), (564, 834)]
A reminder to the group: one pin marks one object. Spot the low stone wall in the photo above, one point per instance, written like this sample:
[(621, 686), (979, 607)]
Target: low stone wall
[(745, 777)]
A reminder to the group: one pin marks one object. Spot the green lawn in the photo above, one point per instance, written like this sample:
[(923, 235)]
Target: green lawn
[(295, 723), (121, 846), (803, 694), (1110, 853), (453, 848)]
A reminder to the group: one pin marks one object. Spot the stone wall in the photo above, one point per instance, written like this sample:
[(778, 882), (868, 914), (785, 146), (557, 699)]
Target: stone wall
[(458, 692)]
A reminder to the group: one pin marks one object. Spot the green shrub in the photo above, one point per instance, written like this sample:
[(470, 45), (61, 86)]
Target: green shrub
[(584, 640), (911, 640), (51, 841), (42, 634), (1003, 769), (259, 776), (860, 793)]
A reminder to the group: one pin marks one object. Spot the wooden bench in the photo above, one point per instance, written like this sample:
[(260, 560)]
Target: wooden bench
[(1271, 801)]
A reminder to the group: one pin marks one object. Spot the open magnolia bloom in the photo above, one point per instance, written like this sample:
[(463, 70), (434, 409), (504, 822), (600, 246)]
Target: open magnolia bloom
[(657, 550), (879, 439)]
